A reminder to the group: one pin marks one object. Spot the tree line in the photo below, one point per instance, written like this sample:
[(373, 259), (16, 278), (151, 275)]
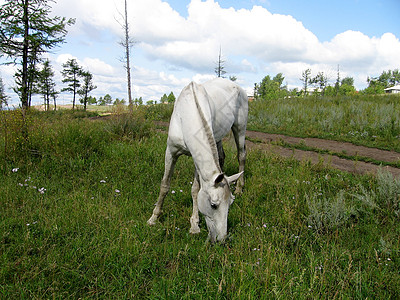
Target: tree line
[(274, 88), (108, 100)]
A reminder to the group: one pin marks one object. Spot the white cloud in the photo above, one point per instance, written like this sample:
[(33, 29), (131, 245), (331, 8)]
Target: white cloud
[(155, 22), (251, 39), (254, 32), (63, 58), (99, 14), (172, 49), (270, 39), (349, 46), (98, 67)]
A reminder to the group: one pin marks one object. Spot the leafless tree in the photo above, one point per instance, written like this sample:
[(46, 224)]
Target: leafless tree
[(219, 69), (127, 42)]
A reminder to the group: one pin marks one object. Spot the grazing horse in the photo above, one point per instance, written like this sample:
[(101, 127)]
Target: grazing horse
[(202, 116)]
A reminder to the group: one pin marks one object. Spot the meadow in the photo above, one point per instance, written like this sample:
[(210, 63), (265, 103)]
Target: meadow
[(367, 120), (77, 190)]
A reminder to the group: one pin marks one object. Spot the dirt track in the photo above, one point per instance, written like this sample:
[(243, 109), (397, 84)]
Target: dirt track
[(264, 142)]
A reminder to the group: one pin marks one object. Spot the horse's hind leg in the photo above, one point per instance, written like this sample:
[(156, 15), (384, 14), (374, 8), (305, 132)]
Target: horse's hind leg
[(240, 139), (221, 155)]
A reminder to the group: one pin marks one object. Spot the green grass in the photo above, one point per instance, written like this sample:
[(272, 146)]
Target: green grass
[(298, 231), (372, 121)]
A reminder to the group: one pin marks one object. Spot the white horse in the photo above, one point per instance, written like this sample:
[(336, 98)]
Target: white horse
[(202, 116)]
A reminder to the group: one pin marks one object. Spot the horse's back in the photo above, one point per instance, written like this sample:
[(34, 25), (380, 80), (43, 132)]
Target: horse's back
[(229, 105)]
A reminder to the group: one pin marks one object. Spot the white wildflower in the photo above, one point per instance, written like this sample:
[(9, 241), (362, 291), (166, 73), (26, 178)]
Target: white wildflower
[(102, 181), (15, 170)]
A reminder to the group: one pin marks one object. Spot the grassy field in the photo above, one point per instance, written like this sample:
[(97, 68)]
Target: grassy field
[(76, 193), (372, 121)]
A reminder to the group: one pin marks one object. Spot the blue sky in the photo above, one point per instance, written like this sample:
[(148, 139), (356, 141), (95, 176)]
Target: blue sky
[(178, 41)]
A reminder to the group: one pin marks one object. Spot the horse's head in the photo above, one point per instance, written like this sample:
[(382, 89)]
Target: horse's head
[(214, 200)]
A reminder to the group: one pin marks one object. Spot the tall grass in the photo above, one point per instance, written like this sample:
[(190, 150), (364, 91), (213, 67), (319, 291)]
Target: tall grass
[(367, 120), (74, 210)]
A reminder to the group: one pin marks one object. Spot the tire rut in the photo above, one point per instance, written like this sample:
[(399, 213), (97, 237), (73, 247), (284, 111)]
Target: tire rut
[(356, 167)]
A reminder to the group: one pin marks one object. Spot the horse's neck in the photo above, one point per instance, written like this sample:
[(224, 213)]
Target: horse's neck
[(205, 156), (199, 136)]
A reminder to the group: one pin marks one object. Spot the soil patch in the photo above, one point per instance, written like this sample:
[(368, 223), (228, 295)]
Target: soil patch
[(264, 143), (358, 167), (329, 145)]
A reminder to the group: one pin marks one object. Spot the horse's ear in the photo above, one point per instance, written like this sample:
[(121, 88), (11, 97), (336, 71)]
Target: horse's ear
[(219, 179), (233, 178)]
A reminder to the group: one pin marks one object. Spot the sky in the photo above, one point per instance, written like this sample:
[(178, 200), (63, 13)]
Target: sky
[(178, 41)]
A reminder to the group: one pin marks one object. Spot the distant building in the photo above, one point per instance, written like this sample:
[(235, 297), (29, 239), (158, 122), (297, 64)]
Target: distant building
[(393, 90), (312, 90)]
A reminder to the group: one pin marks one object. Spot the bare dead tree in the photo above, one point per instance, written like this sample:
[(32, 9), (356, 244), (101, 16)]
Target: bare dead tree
[(219, 69), (127, 42)]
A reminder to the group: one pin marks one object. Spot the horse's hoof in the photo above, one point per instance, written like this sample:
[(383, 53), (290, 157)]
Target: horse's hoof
[(152, 220)]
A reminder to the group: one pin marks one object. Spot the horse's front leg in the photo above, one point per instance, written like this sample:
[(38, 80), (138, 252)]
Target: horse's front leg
[(170, 161)]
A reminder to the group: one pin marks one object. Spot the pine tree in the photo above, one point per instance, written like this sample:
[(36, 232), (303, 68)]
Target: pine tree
[(306, 79), (171, 98), (71, 73), (87, 87), (337, 83), (26, 32), (46, 85)]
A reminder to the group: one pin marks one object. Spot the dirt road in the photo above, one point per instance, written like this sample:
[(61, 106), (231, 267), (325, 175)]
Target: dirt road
[(263, 141)]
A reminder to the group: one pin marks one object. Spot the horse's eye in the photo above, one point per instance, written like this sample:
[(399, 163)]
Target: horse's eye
[(214, 206)]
